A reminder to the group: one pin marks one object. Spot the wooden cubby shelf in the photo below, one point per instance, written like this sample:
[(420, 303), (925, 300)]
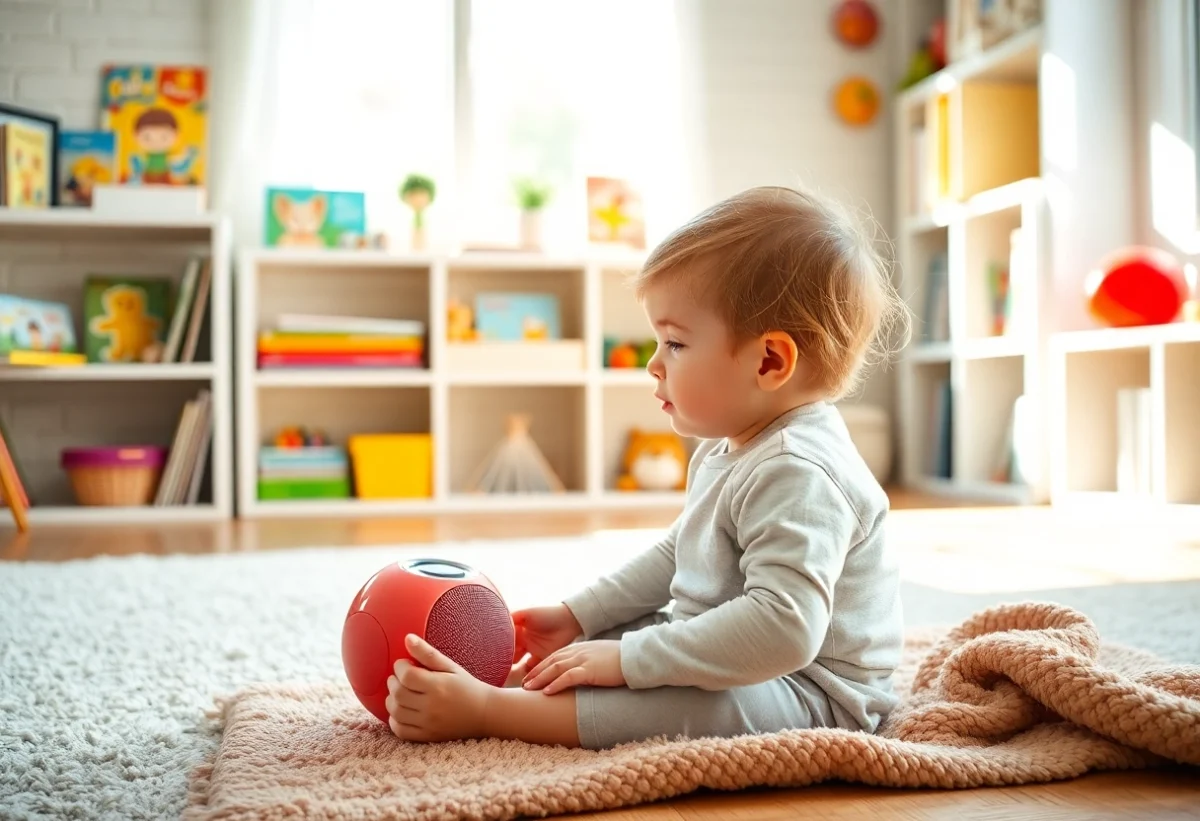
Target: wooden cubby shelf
[(580, 411)]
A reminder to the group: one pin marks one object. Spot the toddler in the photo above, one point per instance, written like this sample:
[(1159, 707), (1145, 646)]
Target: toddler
[(786, 598)]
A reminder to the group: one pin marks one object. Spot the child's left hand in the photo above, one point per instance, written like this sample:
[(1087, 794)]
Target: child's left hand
[(597, 663)]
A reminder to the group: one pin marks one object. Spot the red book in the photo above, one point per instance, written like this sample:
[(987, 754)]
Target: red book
[(410, 359)]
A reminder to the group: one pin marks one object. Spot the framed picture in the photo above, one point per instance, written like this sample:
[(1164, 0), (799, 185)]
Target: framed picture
[(29, 176)]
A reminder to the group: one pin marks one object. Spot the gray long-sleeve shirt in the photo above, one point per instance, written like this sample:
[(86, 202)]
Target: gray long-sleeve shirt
[(778, 566)]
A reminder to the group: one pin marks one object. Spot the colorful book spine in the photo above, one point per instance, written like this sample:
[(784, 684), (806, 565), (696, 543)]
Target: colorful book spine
[(336, 360)]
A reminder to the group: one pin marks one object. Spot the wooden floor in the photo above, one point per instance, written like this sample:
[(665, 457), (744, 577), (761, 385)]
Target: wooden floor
[(962, 548)]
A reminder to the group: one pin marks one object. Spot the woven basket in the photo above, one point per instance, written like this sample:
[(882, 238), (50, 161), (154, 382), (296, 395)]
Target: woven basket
[(118, 476)]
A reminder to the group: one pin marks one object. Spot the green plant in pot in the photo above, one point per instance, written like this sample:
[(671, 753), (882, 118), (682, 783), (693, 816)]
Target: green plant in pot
[(417, 192), (532, 196)]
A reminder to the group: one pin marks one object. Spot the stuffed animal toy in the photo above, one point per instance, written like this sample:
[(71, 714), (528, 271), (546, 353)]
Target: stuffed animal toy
[(654, 460), (460, 322)]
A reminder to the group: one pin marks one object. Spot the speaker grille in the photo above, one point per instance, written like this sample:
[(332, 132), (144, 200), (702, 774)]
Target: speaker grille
[(471, 625)]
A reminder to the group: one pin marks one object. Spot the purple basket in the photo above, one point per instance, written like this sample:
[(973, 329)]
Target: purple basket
[(119, 456)]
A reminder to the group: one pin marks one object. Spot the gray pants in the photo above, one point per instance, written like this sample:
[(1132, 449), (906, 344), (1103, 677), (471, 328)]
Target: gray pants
[(609, 716)]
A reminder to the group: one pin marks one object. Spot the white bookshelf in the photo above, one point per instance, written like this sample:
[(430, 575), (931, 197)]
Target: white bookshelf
[(1088, 370), (47, 254), (581, 415), (968, 225)]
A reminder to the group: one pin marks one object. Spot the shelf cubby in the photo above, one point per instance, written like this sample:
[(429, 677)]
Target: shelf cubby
[(1181, 410), (987, 252), (1092, 382), (342, 413), (991, 387), (929, 291), (44, 417), (477, 417)]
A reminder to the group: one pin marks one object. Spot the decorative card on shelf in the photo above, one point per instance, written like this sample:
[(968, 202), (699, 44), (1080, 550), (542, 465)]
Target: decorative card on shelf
[(35, 325), (125, 318), (514, 317), (311, 218), (160, 117), (615, 213), (85, 159), (27, 156)]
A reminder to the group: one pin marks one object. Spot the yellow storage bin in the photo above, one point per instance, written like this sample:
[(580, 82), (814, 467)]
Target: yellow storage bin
[(392, 465)]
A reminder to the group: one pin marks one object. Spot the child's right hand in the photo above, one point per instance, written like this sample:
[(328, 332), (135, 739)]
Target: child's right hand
[(542, 630)]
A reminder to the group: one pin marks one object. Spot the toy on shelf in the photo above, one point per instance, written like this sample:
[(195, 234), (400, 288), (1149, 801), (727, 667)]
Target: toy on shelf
[(929, 58), (1138, 285), (303, 464), (628, 353), (460, 322), (516, 465), (417, 192), (392, 465), (654, 460)]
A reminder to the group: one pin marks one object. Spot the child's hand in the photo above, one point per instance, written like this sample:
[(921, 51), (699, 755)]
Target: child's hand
[(590, 662), (542, 630)]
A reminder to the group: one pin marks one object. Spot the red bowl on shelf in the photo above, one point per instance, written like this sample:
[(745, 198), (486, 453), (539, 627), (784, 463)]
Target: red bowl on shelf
[(114, 476)]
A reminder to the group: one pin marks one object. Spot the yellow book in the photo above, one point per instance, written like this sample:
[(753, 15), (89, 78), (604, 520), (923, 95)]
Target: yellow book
[(43, 359), (337, 343)]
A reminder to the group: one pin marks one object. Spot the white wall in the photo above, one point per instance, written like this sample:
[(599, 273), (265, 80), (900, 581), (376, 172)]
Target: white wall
[(51, 52), (762, 114)]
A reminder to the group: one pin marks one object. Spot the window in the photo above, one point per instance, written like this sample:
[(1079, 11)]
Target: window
[(564, 90)]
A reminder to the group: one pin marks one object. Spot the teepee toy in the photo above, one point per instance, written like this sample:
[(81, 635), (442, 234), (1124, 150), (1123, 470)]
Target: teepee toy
[(516, 465)]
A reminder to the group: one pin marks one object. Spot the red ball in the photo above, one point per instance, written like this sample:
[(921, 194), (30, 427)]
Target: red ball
[(452, 606), (1136, 286), (855, 23)]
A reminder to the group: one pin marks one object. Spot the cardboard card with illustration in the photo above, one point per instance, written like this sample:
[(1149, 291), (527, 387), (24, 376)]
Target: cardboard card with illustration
[(26, 155), (126, 318), (85, 159), (35, 325), (615, 213), (159, 115), (311, 218)]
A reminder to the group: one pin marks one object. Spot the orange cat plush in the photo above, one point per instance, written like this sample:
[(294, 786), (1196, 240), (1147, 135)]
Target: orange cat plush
[(654, 460)]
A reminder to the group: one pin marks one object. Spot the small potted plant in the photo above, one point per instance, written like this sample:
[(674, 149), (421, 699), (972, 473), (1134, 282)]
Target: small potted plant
[(417, 192), (532, 197)]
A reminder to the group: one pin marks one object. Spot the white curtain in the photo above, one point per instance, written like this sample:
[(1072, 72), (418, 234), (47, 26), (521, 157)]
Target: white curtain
[(334, 94)]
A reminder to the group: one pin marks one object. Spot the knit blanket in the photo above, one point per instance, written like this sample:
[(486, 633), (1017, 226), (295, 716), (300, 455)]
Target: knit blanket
[(1016, 694)]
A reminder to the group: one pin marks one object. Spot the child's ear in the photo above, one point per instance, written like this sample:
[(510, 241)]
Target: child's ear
[(779, 357)]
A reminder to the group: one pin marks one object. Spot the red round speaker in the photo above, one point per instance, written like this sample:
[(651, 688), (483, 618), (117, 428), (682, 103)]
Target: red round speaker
[(452, 606)]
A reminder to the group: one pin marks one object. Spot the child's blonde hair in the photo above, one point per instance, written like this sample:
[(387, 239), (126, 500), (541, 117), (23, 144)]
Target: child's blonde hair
[(779, 259)]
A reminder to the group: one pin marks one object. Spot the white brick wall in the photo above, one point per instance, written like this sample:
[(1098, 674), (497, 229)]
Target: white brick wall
[(51, 51)]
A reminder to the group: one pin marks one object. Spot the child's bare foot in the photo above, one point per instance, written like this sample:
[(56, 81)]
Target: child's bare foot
[(440, 702)]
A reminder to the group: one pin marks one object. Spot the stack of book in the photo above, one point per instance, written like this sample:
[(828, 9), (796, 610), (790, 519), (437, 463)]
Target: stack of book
[(188, 457), (310, 472), (307, 341)]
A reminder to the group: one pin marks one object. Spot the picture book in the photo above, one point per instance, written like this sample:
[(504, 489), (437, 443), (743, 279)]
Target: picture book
[(615, 213), (26, 154), (517, 316), (311, 218), (35, 325), (125, 318), (85, 158), (159, 115)]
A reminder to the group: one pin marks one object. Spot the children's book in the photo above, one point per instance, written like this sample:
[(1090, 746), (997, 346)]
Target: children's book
[(125, 318), (34, 325), (309, 218), (512, 317), (26, 155), (86, 159), (159, 115)]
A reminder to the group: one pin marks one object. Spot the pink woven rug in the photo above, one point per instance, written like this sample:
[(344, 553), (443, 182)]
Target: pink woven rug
[(1017, 694)]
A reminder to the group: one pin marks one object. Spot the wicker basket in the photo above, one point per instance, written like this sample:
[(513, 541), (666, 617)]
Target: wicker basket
[(114, 476)]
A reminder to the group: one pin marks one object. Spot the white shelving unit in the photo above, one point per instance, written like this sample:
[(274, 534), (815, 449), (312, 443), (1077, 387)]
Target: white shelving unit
[(581, 415), (1088, 369), (47, 254), (967, 223)]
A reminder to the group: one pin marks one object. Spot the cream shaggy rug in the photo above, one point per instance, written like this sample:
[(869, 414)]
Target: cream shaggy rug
[(108, 666)]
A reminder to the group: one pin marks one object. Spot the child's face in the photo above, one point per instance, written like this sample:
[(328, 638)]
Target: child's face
[(708, 388)]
